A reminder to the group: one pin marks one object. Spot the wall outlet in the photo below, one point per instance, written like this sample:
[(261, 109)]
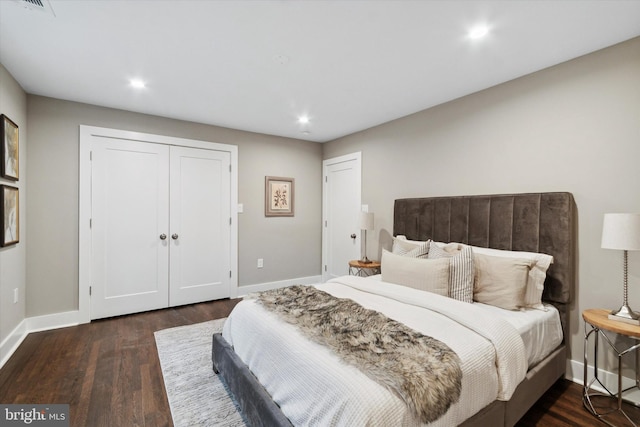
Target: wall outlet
[(15, 295), (260, 263)]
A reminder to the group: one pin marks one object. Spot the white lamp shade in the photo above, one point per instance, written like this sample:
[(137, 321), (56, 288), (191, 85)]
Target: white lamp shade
[(366, 220), (621, 231)]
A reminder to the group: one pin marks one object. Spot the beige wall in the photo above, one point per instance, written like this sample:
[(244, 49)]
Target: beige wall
[(52, 261), (13, 103), (573, 127)]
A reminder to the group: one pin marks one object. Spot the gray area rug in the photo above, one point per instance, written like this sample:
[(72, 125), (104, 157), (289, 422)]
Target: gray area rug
[(196, 396)]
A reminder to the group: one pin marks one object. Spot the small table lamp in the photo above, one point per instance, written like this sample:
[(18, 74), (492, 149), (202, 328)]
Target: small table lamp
[(622, 231), (366, 223)]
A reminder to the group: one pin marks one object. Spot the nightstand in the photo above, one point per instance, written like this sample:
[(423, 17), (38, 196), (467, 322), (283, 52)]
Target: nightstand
[(357, 268), (596, 323)]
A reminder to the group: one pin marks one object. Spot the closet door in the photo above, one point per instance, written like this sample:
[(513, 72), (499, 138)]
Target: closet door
[(341, 209), (200, 215), (130, 227)]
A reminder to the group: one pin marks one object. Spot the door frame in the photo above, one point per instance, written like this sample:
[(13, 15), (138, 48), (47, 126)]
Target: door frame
[(357, 156), (87, 133)]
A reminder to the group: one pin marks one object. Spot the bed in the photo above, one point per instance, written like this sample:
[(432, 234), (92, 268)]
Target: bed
[(533, 222)]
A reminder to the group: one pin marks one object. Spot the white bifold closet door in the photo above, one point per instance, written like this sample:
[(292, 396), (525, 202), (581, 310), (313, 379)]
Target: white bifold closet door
[(160, 226), (200, 216)]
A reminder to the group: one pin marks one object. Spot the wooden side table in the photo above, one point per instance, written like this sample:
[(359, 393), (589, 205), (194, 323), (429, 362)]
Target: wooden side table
[(357, 268), (596, 322)]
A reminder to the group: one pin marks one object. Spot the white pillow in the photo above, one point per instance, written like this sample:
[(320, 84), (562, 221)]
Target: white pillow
[(461, 268), (537, 273), (410, 248), (404, 238), (422, 274), (501, 281)]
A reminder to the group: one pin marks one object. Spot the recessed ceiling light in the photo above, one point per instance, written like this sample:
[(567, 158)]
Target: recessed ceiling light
[(303, 120), (137, 83), (478, 32)]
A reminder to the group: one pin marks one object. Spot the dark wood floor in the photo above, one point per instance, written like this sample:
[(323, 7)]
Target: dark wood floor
[(108, 372)]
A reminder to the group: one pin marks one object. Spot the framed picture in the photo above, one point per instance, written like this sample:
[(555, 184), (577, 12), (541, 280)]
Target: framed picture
[(279, 193), (9, 151), (10, 208)]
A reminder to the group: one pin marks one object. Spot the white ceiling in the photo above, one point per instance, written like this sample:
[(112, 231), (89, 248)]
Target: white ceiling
[(258, 65)]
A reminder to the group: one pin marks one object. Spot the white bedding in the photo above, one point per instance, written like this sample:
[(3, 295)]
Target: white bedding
[(301, 376), (540, 330)]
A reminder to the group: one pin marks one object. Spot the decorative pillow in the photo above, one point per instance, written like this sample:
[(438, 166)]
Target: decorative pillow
[(537, 273), (450, 245), (422, 274), (501, 281), (410, 248), (446, 249), (419, 252), (461, 268), (415, 242)]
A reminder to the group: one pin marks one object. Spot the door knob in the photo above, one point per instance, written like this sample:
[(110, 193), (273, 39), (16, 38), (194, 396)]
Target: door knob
[(163, 236), (353, 236), (174, 236)]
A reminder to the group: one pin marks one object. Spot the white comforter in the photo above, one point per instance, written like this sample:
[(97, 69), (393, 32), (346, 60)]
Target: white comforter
[(314, 387)]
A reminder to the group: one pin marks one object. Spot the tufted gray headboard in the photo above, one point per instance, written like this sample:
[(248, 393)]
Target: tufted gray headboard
[(532, 222)]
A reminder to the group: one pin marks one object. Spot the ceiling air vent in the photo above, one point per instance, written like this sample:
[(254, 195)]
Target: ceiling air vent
[(34, 2), (37, 5)]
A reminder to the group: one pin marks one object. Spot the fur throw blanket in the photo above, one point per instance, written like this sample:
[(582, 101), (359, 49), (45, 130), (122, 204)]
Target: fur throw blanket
[(423, 371)]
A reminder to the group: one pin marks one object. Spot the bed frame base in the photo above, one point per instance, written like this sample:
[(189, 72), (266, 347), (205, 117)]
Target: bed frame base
[(260, 410), (536, 383)]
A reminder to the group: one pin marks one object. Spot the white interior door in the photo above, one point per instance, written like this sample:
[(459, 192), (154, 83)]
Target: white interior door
[(341, 208), (125, 235), (130, 216), (200, 262)]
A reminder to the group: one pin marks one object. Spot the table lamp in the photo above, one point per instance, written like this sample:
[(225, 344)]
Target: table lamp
[(366, 223), (622, 231)]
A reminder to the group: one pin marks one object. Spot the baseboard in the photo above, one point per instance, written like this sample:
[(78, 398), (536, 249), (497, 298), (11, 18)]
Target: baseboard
[(245, 290), (53, 321), (10, 344), (35, 324), (575, 373)]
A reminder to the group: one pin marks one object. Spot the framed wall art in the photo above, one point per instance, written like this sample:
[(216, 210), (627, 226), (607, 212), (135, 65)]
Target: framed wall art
[(10, 215), (279, 200), (9, 150)]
